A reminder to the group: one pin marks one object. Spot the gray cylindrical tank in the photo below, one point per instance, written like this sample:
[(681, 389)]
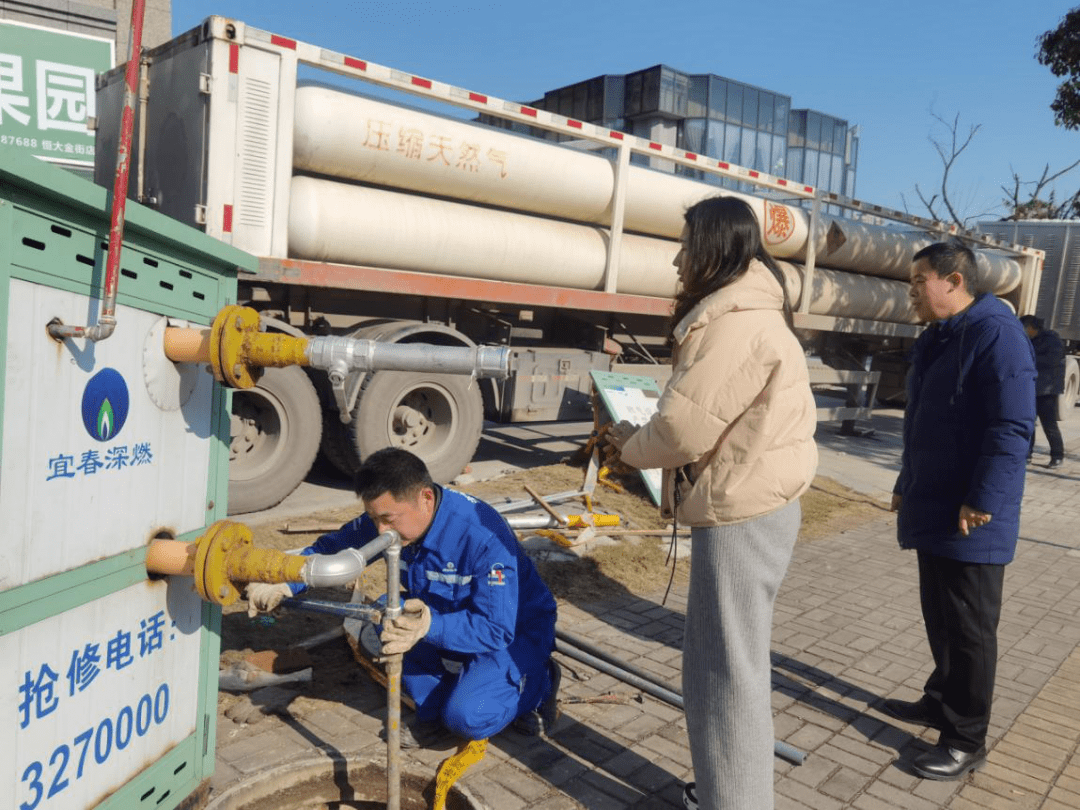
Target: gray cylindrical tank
[(343, 135), (338, 222), (351, 224)]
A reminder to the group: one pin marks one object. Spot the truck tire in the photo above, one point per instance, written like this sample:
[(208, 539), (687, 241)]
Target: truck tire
[(439, 417), (274, 436), (338, 445)]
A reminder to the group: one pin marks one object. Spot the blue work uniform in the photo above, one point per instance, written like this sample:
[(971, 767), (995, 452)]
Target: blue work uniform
[(484, 661)]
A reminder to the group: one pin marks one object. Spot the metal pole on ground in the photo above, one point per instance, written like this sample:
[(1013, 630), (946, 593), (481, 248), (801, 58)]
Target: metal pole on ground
[(393, 679), (581, 650)]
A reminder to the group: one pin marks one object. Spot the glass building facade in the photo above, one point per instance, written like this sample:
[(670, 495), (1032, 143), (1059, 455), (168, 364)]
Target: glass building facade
[(719, 117)]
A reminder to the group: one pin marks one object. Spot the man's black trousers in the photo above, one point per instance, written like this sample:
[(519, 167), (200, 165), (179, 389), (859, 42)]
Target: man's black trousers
[(961, 604), (1047, 409)]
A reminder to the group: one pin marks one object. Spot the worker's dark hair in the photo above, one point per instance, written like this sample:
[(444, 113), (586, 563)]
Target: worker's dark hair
[(392, 470), (722, 236), (1033, 321), (946, 258)]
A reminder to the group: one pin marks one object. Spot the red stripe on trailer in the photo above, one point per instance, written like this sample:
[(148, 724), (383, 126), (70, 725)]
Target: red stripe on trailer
[(570, 122), (755, 174), (616, 135), (425, 83), (234, 58), (808, 189), (478, 97), (528, 111), (656, 146), (691, 156), (723, 165), (359, 64), (780, 181), (282, 42), (404, 282), (226, 219)]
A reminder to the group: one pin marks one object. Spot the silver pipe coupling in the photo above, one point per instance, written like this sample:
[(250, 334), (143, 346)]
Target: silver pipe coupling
[(331, 570), (329, 353)]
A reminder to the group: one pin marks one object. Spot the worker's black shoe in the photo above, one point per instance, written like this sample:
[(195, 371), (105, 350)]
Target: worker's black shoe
[(944, 764), (919, 712), (689, 796), (1055, 462), (418, 734), (542, 719)]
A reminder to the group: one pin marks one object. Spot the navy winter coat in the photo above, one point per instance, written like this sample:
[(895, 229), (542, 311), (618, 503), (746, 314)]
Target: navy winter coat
[(1049, 363), (969, 418)]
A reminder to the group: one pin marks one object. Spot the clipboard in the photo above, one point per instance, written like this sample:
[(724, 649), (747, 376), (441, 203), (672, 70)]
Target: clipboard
[(633, 398)]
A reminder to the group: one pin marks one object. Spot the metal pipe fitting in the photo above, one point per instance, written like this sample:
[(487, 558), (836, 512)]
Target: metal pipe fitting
[(393, 678), (106, 324), (328, 353), (330, 570), (524, 522)]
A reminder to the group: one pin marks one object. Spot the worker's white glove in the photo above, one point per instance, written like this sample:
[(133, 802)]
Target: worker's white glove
[(402, 633), (263, 597)]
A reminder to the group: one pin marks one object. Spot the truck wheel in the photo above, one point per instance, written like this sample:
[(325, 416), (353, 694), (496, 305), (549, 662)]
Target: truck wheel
[(439, 417), (274, 436), (1067, 400)]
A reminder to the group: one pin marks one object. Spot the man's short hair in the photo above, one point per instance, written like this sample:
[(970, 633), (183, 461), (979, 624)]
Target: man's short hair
[(1033, 322), (946, 258), (392, 470)]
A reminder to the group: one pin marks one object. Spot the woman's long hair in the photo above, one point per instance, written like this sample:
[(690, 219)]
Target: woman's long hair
[(722, 236)]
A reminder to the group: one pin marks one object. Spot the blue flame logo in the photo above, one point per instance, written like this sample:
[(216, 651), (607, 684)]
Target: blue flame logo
[(105, 404)]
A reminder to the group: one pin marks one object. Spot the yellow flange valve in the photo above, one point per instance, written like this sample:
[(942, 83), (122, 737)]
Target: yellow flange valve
[(235, 348), (221, 558), (232, 327)]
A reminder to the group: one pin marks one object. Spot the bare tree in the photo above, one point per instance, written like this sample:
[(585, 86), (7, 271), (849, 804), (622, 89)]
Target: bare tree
[(949, 150), (1025, 199), (1034, 207)]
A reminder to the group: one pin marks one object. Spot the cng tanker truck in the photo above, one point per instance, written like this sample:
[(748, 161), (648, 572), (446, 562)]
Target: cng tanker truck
[(376, 219), (1058, 300)]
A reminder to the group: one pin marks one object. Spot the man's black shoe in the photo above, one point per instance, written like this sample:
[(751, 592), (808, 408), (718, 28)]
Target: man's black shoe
[(1054, 462), (542, 719), (689, 796), (917, 712), (945, 764)]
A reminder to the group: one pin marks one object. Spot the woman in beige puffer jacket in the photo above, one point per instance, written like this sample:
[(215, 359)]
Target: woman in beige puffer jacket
[(733, 433)]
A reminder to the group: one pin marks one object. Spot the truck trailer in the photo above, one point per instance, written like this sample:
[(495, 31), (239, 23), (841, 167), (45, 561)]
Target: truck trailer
[(376, 218), (1058, 301)]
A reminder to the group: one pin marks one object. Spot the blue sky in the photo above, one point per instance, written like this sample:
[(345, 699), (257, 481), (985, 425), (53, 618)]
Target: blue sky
[(887, 66)]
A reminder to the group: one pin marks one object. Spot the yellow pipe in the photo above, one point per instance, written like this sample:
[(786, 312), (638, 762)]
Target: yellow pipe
[(220, 559), (190, 345), (173, 557), (273, 350), (234, 347)]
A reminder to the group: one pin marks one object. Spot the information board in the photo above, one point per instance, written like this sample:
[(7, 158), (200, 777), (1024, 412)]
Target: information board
[(93, 695), (47, 91)]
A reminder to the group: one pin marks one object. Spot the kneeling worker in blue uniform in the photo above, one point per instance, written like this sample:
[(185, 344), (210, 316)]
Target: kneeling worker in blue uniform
[(478, 624)]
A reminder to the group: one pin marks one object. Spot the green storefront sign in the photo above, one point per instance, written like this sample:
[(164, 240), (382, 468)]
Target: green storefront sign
[(47, 91)]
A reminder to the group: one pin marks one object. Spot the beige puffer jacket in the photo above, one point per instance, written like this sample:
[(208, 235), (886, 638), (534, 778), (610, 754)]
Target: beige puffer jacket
[(737, 414)]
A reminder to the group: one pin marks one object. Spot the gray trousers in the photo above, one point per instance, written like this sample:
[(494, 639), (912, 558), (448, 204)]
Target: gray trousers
[(735, 572)]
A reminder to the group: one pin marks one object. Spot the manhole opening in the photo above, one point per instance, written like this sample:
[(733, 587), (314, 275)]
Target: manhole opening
[(326, 785)]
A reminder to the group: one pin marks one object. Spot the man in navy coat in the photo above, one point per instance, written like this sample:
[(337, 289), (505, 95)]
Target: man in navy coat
[(1049, 385), (967, 428)]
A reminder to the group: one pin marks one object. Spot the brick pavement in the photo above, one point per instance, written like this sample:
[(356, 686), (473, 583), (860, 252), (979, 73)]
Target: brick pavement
[(847, 634)]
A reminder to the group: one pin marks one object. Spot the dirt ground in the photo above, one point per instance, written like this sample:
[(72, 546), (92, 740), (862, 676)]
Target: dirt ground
[(636, 564)]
